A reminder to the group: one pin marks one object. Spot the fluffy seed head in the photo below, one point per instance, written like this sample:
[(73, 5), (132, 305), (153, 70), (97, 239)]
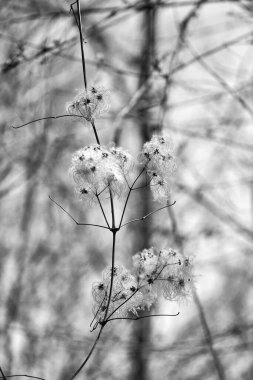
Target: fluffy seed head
[(157, 156), (124, 298), (89, 104), (96, 169), (164, 272)]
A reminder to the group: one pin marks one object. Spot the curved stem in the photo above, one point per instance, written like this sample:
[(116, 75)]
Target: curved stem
[(89, 354), (44, 118)]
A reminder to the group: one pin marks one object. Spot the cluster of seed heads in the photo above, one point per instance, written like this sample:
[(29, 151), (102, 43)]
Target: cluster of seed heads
[(98, 170), (156, 273)]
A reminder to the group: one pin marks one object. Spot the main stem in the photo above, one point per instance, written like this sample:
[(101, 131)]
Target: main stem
[(79, 25), (114, 232), (111, 283), (113, 228), (81, 42), (95, 131)]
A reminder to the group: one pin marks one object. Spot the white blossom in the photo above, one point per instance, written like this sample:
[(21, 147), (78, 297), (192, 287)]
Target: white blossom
[(157, 156), (89, 104), (124, 297), (164, 272), (157, 273), (96, 169), (125, 160)]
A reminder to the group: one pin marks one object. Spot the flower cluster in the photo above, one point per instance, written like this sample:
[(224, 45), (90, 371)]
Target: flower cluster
[(96, 168), (163, 272), (159, 162), (89, 104), (124, 296)]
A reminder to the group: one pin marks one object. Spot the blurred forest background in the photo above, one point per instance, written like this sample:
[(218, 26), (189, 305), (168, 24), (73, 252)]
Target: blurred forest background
[(185, 67)]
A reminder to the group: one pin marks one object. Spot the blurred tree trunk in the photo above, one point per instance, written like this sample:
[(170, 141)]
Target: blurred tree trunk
[(142, 329), (22, 255)]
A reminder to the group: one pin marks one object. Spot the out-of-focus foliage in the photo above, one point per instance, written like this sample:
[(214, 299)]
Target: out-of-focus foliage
[(199, 90)]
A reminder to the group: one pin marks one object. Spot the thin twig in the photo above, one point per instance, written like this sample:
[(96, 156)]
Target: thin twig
[(30, 377), (77, 223), (183, 27), (200, 197), (72, 10), (44, 118), (146, 216), (95, 314), (220, 80), (202, 316), (142, 187), (128, 195), (102, 209), (89, 354), (144, 316), (208, 336)]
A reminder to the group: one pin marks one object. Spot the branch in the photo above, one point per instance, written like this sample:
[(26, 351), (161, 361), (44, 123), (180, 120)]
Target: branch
[(128, 195), (198, 196), (183, 27), (144, 316), (43, 118), (220, 80), (30, 377), (77, 223), (208, 336), (146, 216), (101, 207), (202, 316)]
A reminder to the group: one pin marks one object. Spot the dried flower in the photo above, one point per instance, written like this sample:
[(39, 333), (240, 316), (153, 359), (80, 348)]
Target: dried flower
[(89, 104), (96, 169), (164, 272), (125, 297), (125, 160), (157, 156)]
